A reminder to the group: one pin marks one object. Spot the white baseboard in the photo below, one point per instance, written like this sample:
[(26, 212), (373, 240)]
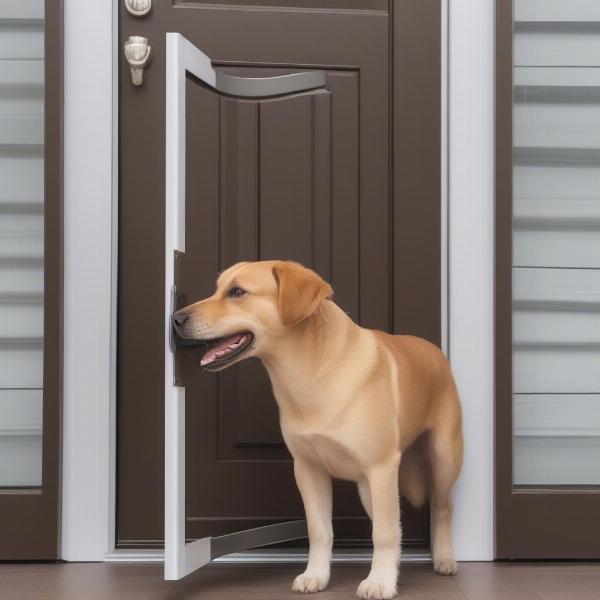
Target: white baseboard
[(263, 556), (134, 556)]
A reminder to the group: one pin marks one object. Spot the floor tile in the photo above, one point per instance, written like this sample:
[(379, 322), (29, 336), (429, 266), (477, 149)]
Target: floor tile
[(475, 581)]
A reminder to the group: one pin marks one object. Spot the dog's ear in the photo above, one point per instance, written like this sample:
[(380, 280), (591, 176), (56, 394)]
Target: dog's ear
[(300, 292)]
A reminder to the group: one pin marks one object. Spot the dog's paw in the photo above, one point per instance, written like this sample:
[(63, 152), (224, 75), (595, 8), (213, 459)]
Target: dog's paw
[(309, 583), (445, 566), (375, 588)]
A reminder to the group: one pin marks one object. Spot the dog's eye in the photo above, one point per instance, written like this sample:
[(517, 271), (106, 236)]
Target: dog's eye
[(236, 292)]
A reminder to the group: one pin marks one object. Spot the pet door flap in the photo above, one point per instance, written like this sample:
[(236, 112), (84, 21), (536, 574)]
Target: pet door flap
[(183, 57)]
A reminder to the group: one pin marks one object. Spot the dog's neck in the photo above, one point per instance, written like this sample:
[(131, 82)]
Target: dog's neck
[(311, 354)]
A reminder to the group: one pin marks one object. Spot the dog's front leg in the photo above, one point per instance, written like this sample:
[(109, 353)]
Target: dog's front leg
[(315, 488), (385, 505)]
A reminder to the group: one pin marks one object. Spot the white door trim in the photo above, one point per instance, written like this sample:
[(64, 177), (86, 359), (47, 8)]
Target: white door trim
[(90, 275), (90, 240), (471, 265)]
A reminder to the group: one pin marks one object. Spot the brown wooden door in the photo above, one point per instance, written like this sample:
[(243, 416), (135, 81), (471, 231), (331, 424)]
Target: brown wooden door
[(344, 179), (30, 280)]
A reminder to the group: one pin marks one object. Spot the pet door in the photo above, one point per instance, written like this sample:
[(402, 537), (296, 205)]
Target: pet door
[(183, 57)]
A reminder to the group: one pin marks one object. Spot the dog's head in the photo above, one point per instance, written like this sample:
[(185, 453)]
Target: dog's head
[(255, 303)]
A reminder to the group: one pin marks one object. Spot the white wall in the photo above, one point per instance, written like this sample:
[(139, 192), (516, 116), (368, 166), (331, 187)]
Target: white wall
[(87, 520), (471, 267)]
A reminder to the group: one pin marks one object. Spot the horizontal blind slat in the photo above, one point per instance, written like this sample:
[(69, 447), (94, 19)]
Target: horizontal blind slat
[(557, 10), (22, 9)]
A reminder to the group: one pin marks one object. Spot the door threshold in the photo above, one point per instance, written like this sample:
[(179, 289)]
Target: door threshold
[(262, 556)]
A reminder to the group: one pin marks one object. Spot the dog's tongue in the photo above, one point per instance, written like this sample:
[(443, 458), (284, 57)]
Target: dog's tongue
[(223, 348)]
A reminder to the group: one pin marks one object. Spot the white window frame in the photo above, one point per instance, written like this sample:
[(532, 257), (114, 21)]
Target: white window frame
[(90, 269)]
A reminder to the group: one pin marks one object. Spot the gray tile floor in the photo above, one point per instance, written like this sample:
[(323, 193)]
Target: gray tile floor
[(475, 581)]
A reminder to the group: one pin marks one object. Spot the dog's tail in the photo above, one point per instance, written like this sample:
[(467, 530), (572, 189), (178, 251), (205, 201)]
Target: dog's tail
[(414, 475)]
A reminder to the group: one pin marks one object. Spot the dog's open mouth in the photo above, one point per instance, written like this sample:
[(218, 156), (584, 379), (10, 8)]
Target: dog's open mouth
[(222, 351)]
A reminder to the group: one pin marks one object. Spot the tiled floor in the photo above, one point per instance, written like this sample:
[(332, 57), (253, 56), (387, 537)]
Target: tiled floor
[(475, 581)]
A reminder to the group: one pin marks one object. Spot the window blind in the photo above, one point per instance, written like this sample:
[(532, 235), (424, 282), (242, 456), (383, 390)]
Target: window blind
[(556, 242), (21, 240)]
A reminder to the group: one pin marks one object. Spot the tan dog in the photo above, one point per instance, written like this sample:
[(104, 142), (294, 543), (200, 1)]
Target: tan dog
[(381, 410)]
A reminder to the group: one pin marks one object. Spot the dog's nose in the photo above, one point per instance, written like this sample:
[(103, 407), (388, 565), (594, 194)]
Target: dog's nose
[(179, 318)]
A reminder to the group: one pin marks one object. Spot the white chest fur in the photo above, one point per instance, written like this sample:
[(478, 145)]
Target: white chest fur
[(329, 448)]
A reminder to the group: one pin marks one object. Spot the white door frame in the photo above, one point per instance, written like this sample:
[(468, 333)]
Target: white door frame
[(90, 278), (90, 244), (471, 264)]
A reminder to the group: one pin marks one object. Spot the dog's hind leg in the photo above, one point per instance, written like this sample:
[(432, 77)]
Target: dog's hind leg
[(445, 452), (415, 474)]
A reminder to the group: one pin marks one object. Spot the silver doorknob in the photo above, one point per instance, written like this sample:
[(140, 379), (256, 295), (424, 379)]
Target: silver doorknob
[(137, 53), (138, 8)]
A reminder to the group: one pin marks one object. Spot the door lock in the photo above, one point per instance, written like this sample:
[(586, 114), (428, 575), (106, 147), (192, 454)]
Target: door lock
[(137, 53)]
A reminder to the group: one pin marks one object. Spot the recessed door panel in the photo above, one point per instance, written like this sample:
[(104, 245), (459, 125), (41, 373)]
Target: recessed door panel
[(266, 193)]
